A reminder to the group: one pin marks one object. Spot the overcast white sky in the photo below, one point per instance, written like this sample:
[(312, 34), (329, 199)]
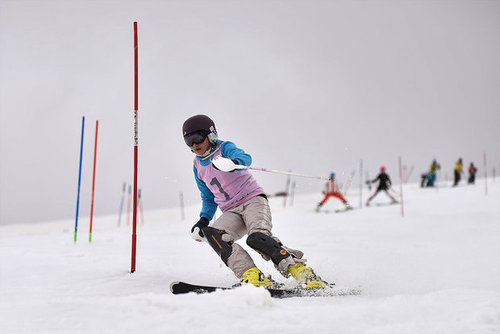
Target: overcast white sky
[(310, 86)]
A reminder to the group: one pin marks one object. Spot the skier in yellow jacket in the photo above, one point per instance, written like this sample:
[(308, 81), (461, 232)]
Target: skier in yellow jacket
[(459, 169)]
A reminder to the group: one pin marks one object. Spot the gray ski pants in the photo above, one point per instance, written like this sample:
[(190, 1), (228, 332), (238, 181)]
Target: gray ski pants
[(252, 216)]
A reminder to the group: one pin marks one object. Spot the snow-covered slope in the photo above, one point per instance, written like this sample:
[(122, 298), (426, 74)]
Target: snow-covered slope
[(437, 270)]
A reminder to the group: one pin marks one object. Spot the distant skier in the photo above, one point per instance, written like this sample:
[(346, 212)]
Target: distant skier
[(431, 175), (458, 171), (331, 190), (472, 174), (384, 183), (424, 180), (245, 209)]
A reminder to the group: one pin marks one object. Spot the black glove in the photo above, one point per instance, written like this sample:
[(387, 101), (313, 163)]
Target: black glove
[(196, 230)]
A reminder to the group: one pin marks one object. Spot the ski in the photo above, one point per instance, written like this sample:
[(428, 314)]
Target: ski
[(327, 211), (386, 204), (179, 287), (344, 210)]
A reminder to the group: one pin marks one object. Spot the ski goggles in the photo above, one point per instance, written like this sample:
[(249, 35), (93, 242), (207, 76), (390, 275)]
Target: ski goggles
[(195, 138)]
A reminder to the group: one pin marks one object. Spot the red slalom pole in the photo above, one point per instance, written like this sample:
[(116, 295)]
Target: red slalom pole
[(93, 181), (401, 179), (136, 104)]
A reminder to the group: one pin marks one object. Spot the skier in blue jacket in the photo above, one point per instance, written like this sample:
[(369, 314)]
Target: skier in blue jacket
[(245, 209)]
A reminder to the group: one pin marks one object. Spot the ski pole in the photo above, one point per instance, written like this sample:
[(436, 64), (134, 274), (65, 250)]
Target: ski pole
[(325, 178)]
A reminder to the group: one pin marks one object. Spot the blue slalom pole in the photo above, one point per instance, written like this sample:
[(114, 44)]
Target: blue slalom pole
[(79, 179)]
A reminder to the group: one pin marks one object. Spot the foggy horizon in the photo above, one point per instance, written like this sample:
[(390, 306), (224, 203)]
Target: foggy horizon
[(311, 87)]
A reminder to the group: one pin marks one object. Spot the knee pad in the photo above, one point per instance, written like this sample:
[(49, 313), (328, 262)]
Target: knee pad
[(264, 244), (214, 239)]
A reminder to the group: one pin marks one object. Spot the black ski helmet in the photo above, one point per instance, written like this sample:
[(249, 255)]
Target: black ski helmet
[(200, 123)]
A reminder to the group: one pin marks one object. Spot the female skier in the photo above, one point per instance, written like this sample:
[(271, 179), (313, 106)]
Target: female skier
[(244, 206)]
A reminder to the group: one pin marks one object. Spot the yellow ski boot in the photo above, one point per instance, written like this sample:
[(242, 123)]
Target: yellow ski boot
[(305, 276), (256, 277)]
